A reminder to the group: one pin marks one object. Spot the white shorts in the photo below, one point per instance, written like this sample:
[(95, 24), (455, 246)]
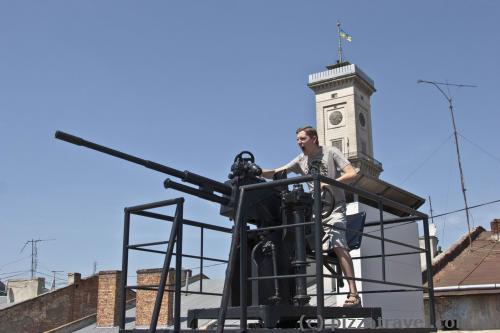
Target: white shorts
[(334, 237)]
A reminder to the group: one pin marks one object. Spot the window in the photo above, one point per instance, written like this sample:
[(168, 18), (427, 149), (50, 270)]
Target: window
[(337, 143), (334, 95), (363, 146)]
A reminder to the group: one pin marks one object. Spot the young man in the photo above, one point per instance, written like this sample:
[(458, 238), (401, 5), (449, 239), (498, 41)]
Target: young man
[(331, 160)]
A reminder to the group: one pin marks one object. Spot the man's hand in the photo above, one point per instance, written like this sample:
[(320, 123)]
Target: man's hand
[(268, 173)]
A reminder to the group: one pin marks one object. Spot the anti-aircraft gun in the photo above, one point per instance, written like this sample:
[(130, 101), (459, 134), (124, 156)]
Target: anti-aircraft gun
[(273, 252)]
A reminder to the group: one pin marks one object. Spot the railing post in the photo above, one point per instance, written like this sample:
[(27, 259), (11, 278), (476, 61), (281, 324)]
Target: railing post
[(166, 264), (382, 240), (201, 258), (430, 281), (231, 263), (318, 234), (123, 286), (178, 269), (243, 276)]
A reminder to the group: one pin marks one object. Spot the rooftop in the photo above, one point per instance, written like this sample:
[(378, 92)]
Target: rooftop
[(339, 72), (469, 272)]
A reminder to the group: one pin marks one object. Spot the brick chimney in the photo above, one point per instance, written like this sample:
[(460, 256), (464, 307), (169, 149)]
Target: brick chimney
[(495, 229), (108, 298), (145, 299)]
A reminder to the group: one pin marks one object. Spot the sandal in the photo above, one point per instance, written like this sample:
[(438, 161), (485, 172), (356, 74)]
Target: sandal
[(352, 301)]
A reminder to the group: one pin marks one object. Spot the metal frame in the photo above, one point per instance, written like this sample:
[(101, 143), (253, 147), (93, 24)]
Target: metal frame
[(175, 238), (241, 230)]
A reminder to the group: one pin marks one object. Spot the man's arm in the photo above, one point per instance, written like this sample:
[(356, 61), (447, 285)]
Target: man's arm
[(348, 175), (269, 173)]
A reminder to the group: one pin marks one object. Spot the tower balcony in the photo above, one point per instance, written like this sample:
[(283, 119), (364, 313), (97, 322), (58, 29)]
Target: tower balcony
[(365, 164)]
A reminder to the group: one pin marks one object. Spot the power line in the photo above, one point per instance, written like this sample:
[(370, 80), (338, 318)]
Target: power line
[(481, 148), (435, 216), (14, 261), (471, 207), (427, 158)]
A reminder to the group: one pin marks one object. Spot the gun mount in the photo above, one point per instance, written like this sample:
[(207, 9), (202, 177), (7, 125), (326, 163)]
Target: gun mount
[(285, 240)]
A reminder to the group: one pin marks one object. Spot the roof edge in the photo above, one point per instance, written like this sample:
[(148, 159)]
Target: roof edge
[(452, 252)]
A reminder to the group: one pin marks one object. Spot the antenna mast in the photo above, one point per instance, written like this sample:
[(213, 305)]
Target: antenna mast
[(462, 181), (34, 254)]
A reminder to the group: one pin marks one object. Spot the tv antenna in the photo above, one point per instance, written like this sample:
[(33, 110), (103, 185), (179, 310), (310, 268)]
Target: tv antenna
[(34, 253), (450, 105)]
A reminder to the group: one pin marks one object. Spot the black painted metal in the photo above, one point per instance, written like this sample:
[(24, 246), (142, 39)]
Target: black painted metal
[(382, 238), (296, 330), (174, 234), (320, 301), (270, 315), (202, 232), (123, 282), (243, 275), (261, 211), (135, 246), (388, 255), (430, 281), (178, 270), (185, 221), (186, 176), (394, 221), (169, 183), (221, 318)]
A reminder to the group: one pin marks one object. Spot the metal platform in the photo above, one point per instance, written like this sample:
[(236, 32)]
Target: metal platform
[(282, 315), (295, 330)]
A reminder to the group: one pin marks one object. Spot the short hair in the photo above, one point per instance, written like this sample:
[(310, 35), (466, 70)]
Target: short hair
[(310, 131)]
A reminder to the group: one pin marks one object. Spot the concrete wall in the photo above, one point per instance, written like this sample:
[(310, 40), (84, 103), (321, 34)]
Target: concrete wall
[(400, 269), (52, 309), (472, 312), (21, 290)]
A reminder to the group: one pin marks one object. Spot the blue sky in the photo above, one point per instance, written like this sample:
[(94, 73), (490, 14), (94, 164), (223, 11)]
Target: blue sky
[(191, 83)]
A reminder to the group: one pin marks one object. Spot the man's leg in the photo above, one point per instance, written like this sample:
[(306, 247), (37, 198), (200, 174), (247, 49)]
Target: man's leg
[(345, 262)]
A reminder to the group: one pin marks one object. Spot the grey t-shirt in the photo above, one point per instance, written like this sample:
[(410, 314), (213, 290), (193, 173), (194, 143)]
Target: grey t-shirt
[(332, 162)]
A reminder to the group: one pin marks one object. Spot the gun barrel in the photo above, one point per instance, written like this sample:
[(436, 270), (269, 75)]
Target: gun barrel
[(168, 183), (187, 176)]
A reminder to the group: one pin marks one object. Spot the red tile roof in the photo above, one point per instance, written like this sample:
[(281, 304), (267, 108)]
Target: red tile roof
[(459, 266)]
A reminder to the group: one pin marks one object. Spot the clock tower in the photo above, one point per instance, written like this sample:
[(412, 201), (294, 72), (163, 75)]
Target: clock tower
[(343, 115)]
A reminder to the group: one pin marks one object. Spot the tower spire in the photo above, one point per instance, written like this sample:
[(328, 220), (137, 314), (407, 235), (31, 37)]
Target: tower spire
[(340, 43), (342, 34)]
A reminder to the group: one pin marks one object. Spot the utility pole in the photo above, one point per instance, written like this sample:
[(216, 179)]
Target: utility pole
[(450, 105), (34, 254)]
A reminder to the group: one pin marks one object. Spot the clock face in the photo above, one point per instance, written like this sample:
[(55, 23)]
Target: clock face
[(335, 117), (362, 120)]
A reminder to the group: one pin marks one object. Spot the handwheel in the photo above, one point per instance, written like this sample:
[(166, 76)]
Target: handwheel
[(327, 202)]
